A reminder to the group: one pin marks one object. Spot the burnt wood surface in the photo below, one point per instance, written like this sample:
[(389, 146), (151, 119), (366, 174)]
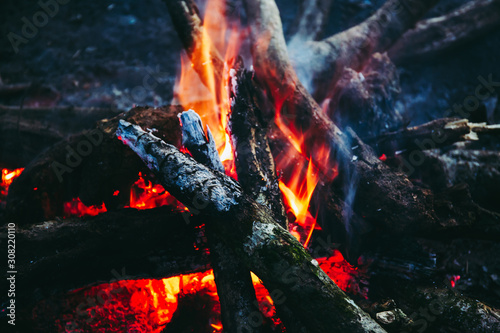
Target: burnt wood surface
[(267, 249), (232, 278), (56, 256)]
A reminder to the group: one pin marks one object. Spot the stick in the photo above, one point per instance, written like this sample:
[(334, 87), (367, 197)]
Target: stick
[(267, 249), (254, 162), (186, 18), (232, 278)]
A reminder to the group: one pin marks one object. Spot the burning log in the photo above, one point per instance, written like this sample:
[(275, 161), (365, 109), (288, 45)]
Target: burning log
[(233, 279), (438, 34), (187, 22), (380, 188), (58, 256), (353, 47), (266, 248), (253, 158), (92, 166)]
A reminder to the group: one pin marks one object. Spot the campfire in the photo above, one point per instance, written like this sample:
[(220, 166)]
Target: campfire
[(282, 190)]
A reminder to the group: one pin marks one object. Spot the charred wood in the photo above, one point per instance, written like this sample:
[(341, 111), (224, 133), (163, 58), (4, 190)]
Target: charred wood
[(253, 158), (437, 34), (57, 256), (267, 249), (232, 278), (188, 24), (91, 166)]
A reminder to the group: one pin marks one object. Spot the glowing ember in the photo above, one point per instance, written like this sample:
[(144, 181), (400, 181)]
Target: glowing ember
[(347, 277), (149, 305), (76, 208), (144, 195), (453, 280), (8, 177)]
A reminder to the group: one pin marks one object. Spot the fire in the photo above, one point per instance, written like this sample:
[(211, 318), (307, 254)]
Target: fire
[(145, 195), (149, 305), (76, 207), (211, 100), (8, 177)]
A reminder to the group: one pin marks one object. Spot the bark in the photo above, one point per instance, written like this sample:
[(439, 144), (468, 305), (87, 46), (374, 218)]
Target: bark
[(435, 35), (267, 249), (405, 206), (233, 279), (188, 24), (253, 158), (441, 132), (353, 47), (57, 256)]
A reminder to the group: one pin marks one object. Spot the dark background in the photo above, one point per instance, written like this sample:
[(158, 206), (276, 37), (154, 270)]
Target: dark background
[(94, 53)]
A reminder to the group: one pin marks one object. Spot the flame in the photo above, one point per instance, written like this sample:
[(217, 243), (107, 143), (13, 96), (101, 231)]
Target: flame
[(148, 305), (145, 195), (211, 100), (8, 177), (76, 207)]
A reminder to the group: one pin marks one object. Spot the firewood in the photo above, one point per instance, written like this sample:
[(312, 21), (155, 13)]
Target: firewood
[(434, 134), (91, 165), (353, 47), (188, 24), (437, 34), (405, 206), (253, 158), (232, 278), (264, 246), (57, 256)]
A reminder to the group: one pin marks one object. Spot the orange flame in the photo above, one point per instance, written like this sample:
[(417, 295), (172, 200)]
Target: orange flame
[(211, 101), (145, 195), (8, 177)]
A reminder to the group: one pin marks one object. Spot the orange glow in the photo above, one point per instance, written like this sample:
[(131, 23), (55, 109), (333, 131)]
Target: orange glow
[(347, 277), (75, 207), (144, 195), (8, 177), (211, 100), (149, 305)]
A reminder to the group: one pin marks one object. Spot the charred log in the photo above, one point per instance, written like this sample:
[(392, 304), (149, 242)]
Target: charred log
[(437, 34), (188, 24), (91, 166), (232, 278), (254, 162), (266, 248), (57, 256), (353, 47)]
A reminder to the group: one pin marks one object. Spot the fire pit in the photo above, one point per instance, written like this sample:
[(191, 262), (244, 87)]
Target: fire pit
[(283, 189)]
